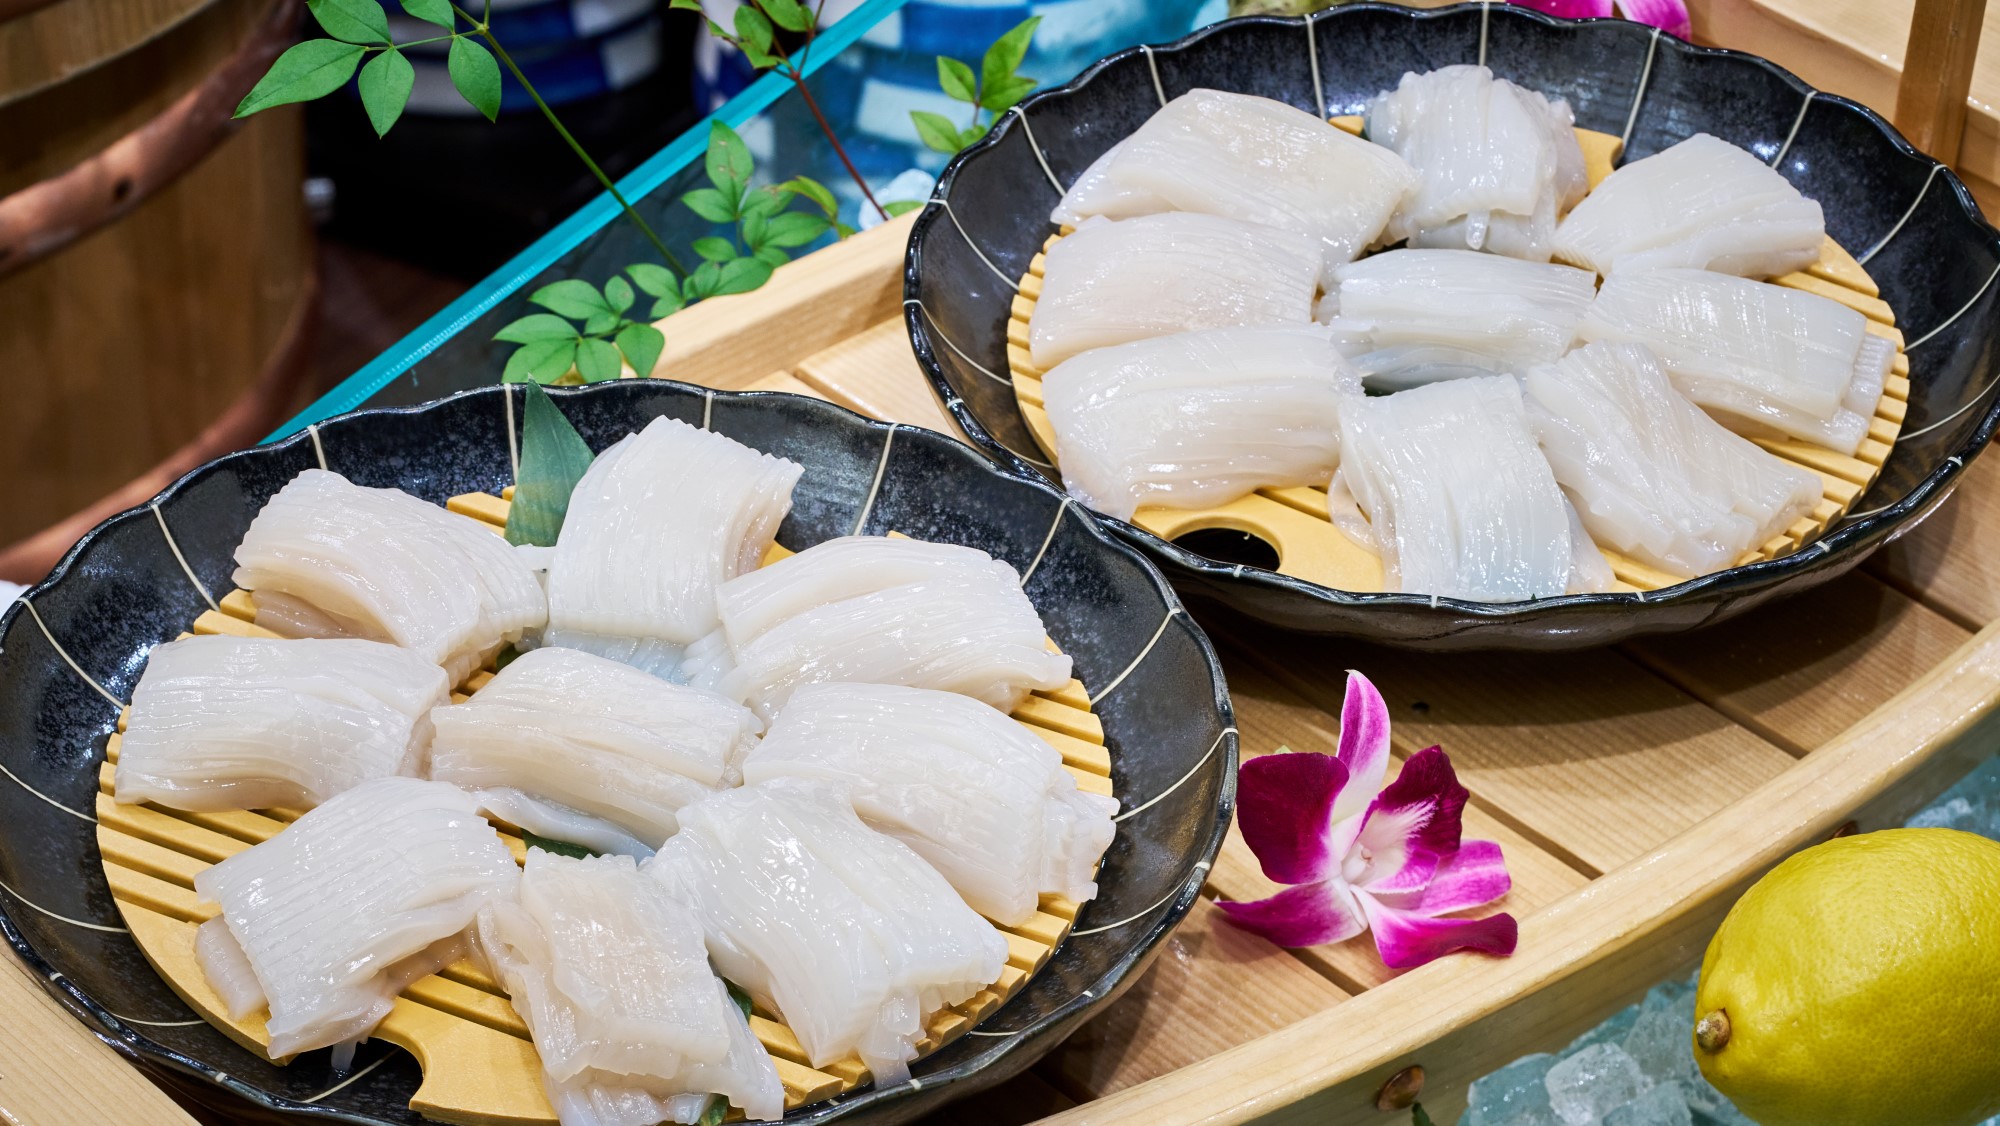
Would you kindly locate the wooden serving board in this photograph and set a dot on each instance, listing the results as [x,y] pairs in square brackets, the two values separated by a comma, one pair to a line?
[479,1065]
[1294,520]
[1634,789]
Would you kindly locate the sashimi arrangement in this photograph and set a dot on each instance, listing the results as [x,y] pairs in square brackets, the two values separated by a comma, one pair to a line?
[1444,348]
[728,830]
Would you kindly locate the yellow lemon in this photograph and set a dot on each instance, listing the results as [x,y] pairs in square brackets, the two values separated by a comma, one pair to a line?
[1858,984]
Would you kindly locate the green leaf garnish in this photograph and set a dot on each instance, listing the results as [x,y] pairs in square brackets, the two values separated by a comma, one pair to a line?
[385,88]
[356,21]
[957,80]
[554,457]
[788,14]
[794,228]
[739,995]
[597,361]
[536,327]
[1004,57]
[570,298]
[715,249]
[642,345]
[902,206]
[1418,1117]
[936,131]
[618,294]
[728,162]
[430,11]
[742,276]
[710,204]
[560,848]
[475,74]
[312,69]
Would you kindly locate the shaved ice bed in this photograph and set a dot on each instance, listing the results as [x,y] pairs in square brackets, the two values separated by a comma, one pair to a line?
[1637,1068]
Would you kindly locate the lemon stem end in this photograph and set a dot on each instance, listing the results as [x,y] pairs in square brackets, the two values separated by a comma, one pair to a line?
[1711,1032]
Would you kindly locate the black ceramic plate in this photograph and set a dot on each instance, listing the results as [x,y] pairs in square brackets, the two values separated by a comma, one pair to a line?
[1908,219]
[75,645]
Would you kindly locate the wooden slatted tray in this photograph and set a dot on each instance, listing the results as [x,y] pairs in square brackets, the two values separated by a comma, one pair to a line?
[1294,520]
[479,1066]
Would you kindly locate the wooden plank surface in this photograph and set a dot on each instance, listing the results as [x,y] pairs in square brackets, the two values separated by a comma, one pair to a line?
[53,1071]
[1951,562]
[1211,988]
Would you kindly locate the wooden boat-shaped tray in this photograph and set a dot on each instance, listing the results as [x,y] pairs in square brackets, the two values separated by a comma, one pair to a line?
[480,1068]
[1294,521]
[1635,790]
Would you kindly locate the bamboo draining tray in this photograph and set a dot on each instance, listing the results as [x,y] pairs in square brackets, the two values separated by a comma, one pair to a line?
[1294,521]
[1635,789]
[479,1065]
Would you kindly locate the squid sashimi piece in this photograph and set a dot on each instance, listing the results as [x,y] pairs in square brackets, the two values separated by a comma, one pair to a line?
[1428,315]
[1461,501]
[610,975]
[1652,476]
[580,748]
[1766,359]
[846,932]
[1497,164]
[328,558]
[1200,418]
[1703,204]
[879,610]
[1111,283]
[1250,158]
[659,521]
[350,904]
[223,722]
[988,804]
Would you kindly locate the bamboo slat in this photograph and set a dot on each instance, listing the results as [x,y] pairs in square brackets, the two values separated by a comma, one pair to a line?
[479,1065]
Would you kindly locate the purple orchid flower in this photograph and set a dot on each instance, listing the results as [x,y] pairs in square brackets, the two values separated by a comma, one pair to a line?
[1364,856]
[1670,16]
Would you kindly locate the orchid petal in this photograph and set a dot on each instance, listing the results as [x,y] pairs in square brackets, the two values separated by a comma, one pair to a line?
[1414,824]
[1405,940]
[1284,802]
[1364,745]
[1670,16]
[1306,915]
[1474,876]
[1569,9]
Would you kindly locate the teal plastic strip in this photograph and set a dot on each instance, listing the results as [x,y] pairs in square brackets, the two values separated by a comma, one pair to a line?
[566,236]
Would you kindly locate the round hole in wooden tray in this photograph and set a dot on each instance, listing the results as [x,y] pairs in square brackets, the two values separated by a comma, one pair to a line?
[1294,521]
[478,1062]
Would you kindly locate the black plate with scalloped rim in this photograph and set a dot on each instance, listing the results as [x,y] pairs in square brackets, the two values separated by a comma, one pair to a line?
[75,645]
[1906,217]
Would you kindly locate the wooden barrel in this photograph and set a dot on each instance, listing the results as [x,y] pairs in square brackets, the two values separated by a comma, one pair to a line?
[156,262]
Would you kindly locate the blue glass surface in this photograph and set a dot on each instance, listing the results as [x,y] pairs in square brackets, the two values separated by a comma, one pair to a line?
[867,71]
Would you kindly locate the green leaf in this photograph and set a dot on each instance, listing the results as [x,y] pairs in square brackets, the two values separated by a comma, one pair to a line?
[754,228]
[666,306]
[717,30]
[536,327]
[761,60]
[754,29]
[817,192]
[312,69]
[715,249]
[765,202]
[571,298]
[618,293]
[541,361]
[1001,96]
[655,281]
[936,131]
[533,840]
[1004,57]
[703,282]
[971,136]
[714,1111]
[385,88]
[743,275]
[788,14]
[430,11]
[1418,1117]
[729,163]
[901,206]
[686,5]
[476,75]
[795,228]
[710,204]
[843,230]
[642,345]
[739,995]
[601,323]
[597,361]
[507,655]
[553,459]
[357,21]
[773,255]
[957,80]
